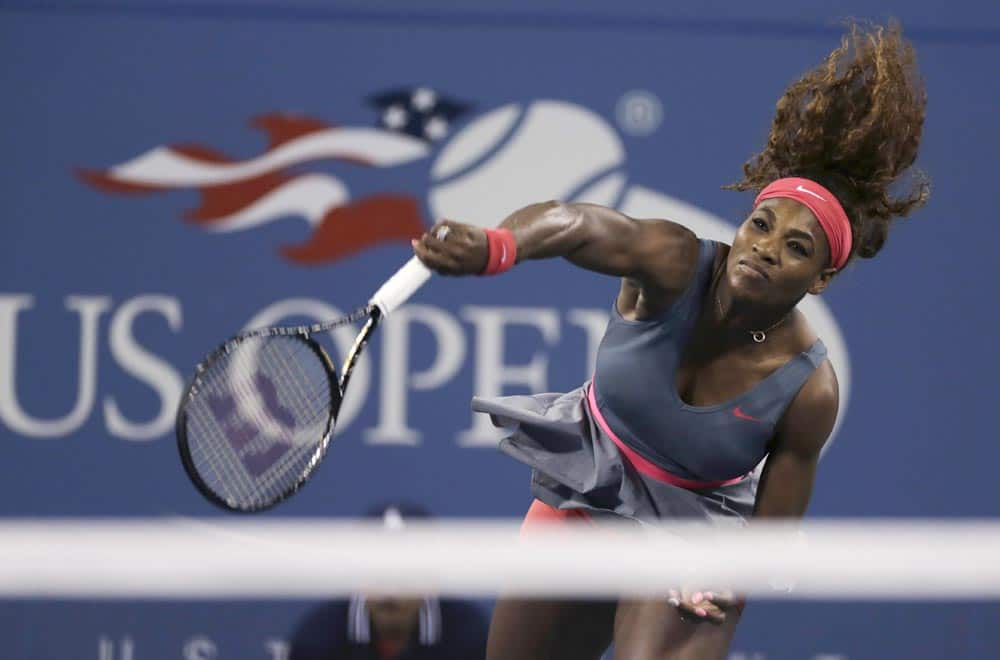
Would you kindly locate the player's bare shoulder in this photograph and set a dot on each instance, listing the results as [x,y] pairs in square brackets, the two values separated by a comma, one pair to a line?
[667,255]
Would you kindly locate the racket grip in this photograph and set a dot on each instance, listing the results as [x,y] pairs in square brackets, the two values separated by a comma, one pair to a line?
[398,289]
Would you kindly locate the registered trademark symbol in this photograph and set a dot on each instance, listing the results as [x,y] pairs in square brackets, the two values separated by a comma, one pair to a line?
[639,112]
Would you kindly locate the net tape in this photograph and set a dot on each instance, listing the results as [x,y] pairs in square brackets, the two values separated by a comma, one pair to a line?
[294,558]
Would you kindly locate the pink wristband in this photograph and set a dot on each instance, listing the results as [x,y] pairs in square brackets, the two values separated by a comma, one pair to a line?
[502,251]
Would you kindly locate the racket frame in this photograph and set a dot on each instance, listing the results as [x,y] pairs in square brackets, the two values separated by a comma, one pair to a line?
[393,293]
[337,388]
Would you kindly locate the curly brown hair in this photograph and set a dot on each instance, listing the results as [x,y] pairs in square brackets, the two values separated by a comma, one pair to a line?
[853,124]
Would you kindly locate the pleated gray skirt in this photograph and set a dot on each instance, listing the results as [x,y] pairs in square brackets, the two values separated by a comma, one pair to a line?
[575,465]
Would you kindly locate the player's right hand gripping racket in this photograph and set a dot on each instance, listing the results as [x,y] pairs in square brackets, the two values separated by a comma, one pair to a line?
[260,410]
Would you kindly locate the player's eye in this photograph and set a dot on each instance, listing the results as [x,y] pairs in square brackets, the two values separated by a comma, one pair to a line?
[798,249]
[760,224]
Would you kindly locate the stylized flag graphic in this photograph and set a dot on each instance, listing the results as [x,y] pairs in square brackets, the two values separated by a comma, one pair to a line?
[238,195]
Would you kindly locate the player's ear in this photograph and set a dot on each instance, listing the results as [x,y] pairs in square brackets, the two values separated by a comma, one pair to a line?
[822,281]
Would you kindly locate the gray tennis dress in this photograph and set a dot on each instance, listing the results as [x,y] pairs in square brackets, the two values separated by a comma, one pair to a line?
[625,444]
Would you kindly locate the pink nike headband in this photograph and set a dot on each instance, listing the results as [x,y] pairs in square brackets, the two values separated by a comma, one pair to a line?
[824,206]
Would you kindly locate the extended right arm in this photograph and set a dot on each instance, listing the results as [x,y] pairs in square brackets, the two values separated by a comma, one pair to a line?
[658,255]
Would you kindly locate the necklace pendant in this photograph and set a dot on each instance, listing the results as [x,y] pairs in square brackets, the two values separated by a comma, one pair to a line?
[759,336]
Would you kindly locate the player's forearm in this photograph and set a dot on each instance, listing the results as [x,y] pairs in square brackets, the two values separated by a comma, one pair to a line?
[591,236]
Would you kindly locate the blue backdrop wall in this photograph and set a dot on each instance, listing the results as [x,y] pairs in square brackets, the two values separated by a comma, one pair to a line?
[178,171]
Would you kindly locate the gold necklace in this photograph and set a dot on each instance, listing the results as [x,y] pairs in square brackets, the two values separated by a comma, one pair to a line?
[758,335]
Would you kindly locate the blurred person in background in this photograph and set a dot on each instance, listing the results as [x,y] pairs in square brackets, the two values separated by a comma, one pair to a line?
[381,627]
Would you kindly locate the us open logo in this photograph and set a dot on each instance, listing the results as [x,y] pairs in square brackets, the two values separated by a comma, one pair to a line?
[463,165]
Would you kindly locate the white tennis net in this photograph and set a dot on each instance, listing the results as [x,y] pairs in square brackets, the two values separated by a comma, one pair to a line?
[290,558]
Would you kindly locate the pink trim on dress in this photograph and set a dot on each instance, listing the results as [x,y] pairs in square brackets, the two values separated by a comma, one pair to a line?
[642,464]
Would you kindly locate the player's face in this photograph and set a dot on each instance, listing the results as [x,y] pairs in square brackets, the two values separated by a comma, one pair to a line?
[779,254]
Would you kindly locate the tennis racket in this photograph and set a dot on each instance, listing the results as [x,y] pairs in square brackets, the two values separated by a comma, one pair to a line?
[259,412]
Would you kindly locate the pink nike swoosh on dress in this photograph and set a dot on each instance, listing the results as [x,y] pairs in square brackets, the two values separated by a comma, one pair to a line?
[738,412]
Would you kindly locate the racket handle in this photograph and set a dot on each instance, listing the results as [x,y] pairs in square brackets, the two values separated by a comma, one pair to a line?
[398,289]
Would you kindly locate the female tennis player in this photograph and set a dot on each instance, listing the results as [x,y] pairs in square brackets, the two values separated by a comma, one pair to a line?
[706,366]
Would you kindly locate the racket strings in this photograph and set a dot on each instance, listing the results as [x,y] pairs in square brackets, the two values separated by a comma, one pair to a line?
[258,419]
[214,450]
[313,409]
[253,485]
[210,455]
[315,401]
[310,409]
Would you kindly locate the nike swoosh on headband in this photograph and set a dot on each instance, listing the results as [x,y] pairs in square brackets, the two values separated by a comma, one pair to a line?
[809,192]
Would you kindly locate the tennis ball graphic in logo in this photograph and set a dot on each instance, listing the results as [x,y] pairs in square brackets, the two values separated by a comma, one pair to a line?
[516,155]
